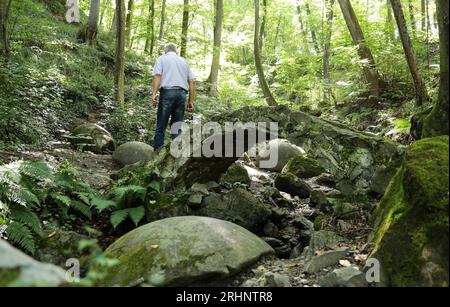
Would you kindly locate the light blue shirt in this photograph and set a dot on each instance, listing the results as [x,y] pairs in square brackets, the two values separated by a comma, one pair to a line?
[174,71]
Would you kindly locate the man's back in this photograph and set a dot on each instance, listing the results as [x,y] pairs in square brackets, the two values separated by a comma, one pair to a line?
[174,71]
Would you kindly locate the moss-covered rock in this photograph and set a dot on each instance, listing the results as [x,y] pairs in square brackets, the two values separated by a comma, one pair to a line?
[411,235]
[181,251]
[236,173]
[133,152]
[293,185]
[283,150]
[20,270]
[303,167]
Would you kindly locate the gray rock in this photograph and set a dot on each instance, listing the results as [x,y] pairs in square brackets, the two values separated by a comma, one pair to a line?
[272,241]
[285,150]
[268,279]
[236,173]
[327,180]
[293,185]
[238,206]
[182,250]
[344,277]
[303,167]
[319,199]
[20,270]
[200,188]
[102,139]
[303,223]
[324,260]
[296,251]
[133,152]
[270,229]
[195,200]
[322,239]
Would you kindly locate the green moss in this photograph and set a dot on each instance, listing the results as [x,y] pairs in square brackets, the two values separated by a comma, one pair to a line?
[7,276]
[411,222]
[236,173]
[303,167]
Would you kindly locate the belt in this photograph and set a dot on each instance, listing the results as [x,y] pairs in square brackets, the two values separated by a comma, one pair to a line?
[173,88]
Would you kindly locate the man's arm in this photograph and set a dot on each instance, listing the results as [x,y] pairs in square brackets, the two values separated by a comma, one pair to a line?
[191,95]
[155,89]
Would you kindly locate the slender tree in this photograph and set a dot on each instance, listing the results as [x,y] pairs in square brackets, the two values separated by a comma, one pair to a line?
[105,8]
[113,28]
[120,52]
[215,66]
[412,18]
[423,12]
[5,9]
[421,92]
[437,122]
[369,68]
[302,27]
[129,22]
[313,31]
[184,28]
[326,49]
[262,33]
[390,20]
[161,27]
[92,26]
[150,40]
[258,63]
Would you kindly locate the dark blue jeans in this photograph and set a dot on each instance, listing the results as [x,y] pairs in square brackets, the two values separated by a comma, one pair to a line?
[171,105]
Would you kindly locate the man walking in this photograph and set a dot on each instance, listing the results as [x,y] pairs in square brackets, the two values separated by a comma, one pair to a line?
[173,78]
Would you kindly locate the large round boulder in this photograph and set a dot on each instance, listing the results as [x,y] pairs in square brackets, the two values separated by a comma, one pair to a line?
[182,250]
[133,152]
[102,140]
[411,228]
[20,270]
[285,151]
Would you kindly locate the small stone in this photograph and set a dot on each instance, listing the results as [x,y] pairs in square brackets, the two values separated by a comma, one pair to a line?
[303,223]
[200,188]
[293,185]
[344,277]
[319,199]
[270,229]
[327,259]
[195,200]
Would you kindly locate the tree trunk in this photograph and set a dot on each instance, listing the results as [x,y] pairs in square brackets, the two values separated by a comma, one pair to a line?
[437,122]
[421,93]
[5,9]
[113,28]
[259,69]
[92,27]
[150,40]
[423,12]
[326,49]
[262,33]
[129,22]
[390,21]
[161,27]
[370,72]
[215,67]
[313,32]
[412,17]
[106,6]
[120,52]
[184,30]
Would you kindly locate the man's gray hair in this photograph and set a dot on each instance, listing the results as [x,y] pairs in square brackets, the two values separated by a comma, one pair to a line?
[171,48]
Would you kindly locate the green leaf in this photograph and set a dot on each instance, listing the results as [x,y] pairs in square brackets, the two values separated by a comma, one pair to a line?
[61,199]
[136,214]
[84,197]
[102,204]
[155,185]
[21,235]
[117,217]
[84,209]
[26,217]
[121,192]
[84,243]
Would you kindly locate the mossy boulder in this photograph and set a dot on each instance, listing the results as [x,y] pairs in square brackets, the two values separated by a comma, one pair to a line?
[303,167]
[236,173]
[411,225]
[20,270]
[182,251]
[293,185]
[133,152]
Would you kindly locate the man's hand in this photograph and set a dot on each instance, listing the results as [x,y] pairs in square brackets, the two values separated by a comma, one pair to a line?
[190,107]
[155,100]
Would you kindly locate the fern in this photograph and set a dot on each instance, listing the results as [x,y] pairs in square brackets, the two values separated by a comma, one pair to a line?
[83,208]
[102,204]
[134,191]
[117,217]
[27,217]
[136,214]
[21,235]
